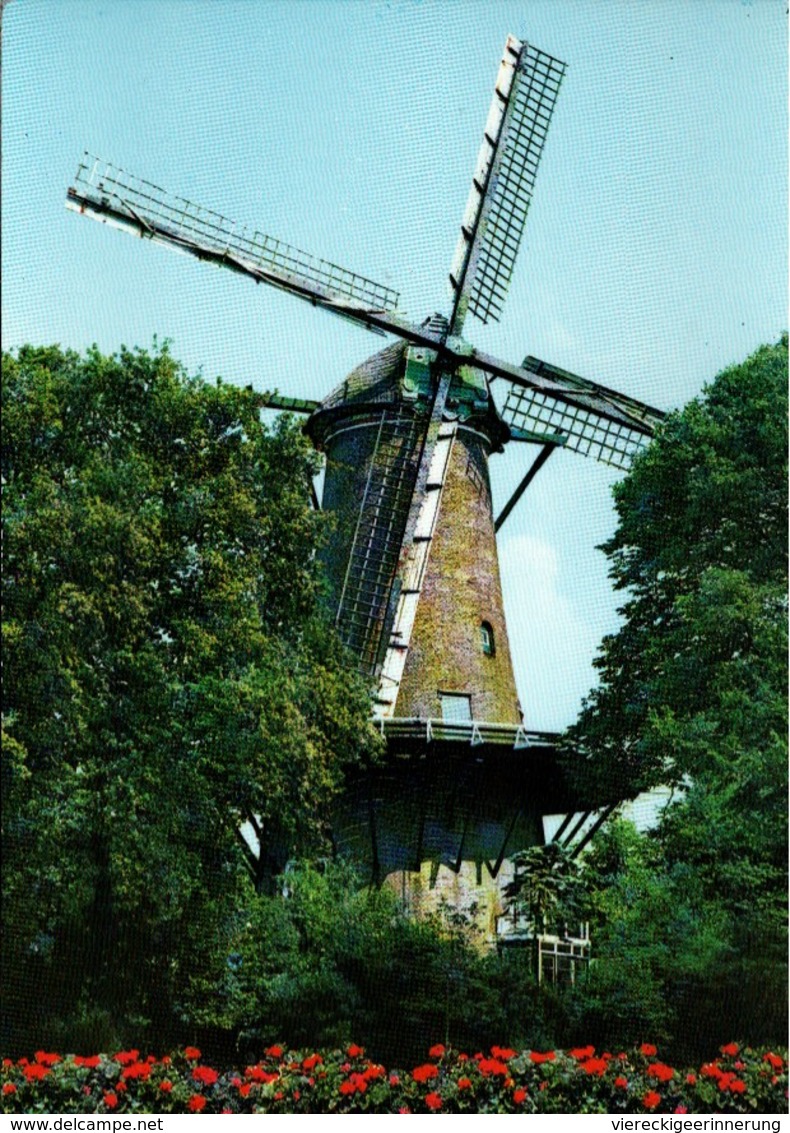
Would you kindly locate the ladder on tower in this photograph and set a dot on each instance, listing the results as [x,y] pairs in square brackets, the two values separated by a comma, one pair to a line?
[439,446]
[376,545]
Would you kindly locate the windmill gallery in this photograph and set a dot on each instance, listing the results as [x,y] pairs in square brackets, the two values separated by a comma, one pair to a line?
[412,563]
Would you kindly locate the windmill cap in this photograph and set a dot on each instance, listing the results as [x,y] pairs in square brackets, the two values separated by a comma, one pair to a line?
[382,381]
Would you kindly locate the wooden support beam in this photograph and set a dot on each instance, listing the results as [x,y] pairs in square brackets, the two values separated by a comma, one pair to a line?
[596,826]
[535,467]
[575,828]
[562,827]
[501,855]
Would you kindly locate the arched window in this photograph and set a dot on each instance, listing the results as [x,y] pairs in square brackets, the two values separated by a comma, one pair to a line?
[487,638]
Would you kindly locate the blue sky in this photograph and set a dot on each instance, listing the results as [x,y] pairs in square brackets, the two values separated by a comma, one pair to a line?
[655,251]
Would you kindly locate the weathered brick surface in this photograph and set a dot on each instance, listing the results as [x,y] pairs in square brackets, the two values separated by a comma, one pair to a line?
[472,892]
[461,590]
[462,586]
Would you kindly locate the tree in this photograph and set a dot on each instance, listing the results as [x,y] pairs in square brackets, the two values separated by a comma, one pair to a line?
[693,692]
[168,674]
[696,673]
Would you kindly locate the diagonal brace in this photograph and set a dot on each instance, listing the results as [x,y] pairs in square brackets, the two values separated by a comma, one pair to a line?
[536,466]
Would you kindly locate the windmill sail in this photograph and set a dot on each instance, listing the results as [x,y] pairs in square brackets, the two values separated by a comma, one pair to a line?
[526,90]
[115,197]
[591,419]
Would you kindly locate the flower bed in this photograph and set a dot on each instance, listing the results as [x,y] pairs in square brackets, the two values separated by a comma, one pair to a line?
[740,1080]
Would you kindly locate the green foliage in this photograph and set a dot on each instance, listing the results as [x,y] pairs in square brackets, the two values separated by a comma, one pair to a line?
[547,887]
[167,675]
[696,675]
[329,959]
[691,926]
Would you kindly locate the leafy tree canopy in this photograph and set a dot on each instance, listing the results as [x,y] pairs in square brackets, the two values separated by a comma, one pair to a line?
[693,693]
[167,670]
[694,681]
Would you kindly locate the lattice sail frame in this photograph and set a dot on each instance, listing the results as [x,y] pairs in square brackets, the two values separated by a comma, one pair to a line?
[537,85]
[128,201]
[584,430]
[526,90]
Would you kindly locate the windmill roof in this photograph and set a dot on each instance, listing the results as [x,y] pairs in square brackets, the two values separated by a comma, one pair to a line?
[378,381]
[375,380]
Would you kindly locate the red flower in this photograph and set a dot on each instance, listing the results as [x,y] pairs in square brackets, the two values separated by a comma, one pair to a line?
[312,1061]
[425,1073]
[404,1109]
[648,1050]
[196,1104]
[35,1072]
[519,1096]
[691,1079]
[621,1083]
[166,1086]
[489,1066]
[736,1086]
[137,1070]
[121,1086]
[580,1053]
[373,1072]
[244,1091]
[503,1052]
[110,1100]
[436,1051]
[9,1088]
[682,1109]
[661,1072]
[464,1083]
[355,1051]
[394,1080]
[89,1063]
[190,1052]
[258,1074]
[274,1052]
[8,1062]
[730,1049]
[594,1066]
[433,1101]
[348,1087]
[710,1070]
[45,1059]
[651,1099]
[537,1057]
[773,1060]
[205,1075]
[125,1057]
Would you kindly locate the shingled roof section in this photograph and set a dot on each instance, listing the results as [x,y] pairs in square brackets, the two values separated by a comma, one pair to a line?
[376,380]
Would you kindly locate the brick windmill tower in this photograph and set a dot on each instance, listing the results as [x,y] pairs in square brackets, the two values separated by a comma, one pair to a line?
[412,564]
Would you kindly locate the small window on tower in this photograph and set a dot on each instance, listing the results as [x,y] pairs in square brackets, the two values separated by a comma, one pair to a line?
[456,707]
[487,638]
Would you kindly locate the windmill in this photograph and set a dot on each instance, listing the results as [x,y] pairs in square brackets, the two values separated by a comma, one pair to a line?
[412,564]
